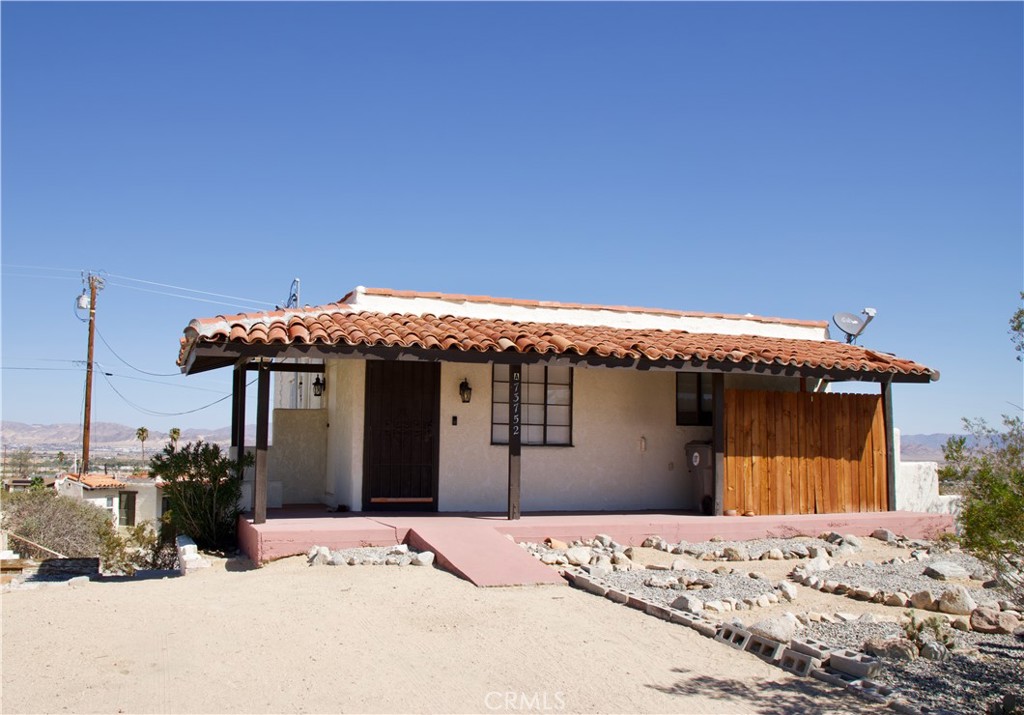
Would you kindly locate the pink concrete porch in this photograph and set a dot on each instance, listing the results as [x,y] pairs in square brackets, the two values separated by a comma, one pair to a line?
[474,546]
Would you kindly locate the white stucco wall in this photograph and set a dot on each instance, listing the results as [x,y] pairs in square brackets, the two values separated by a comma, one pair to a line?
[917,486]
[299,455]
[343,476]
[627,451]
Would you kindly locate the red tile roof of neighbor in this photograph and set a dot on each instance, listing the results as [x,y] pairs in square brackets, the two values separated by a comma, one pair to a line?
[97,481]
[341,324]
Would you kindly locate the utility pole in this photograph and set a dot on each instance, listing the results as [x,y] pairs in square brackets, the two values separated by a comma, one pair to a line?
[95,285]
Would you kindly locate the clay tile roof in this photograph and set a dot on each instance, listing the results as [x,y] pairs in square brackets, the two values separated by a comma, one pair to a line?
[339,324]
[97,481]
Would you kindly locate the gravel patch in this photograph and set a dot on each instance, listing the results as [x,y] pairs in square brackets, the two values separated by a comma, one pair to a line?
[737,585]
[757,547]
[907,577]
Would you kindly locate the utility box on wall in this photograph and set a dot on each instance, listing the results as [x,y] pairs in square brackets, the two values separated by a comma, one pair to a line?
[701,468]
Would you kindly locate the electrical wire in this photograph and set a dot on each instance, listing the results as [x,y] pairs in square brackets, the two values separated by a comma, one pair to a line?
[184,297]
[156,413]
[165,384]
[190,290]
[136,369]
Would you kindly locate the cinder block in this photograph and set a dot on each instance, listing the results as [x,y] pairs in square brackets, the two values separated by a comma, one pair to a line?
[832,677]
[765,648]
[798,663]
[870,690]
[637,603]
[855,663]
[706,628]
[733,636]
[596,588]
[616,595]
[575,579]
[662,612]
[813,648]
[680,617]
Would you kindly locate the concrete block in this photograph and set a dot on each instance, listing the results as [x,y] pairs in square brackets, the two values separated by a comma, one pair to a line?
[798,663]
[854,663]
[614,594]
[870,690]
[575,579]
[708,629]
[662,612]
[681,617]
[733,636]
[596,588]
[637,603]
[811,647]
[765,648]
[832,677]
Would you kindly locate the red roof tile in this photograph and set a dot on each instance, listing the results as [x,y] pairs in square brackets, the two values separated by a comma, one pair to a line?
[332,325]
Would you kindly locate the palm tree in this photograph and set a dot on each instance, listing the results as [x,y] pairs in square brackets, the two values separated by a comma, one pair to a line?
[175,435]
[142,434]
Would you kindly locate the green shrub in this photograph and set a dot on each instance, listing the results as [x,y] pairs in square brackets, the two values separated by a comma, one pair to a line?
[203,486]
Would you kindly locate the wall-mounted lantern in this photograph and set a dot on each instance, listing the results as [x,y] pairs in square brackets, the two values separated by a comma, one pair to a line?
[465,391]
[319,385]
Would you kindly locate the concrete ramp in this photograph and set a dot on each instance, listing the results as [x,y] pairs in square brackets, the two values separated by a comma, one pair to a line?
[478,553]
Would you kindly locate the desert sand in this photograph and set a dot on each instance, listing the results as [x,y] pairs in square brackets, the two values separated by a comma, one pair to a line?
[288,638]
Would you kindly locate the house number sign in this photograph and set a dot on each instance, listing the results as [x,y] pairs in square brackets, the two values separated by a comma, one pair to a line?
[515,409]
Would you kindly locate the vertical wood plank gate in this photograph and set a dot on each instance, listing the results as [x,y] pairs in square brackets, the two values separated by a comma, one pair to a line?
[804,453]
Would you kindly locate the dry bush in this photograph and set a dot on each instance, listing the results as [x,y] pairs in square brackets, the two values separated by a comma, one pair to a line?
[71,527]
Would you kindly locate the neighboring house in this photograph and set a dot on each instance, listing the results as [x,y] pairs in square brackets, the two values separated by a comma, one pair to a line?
[130,500]
[20,484]
[405,400]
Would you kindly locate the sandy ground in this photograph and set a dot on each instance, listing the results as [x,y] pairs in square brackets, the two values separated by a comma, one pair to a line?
[289,638]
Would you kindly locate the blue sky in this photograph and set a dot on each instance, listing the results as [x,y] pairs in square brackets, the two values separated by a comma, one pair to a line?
[791,159]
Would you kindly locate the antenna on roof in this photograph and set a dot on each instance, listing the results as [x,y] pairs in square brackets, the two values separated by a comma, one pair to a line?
[293,295]
[853,325]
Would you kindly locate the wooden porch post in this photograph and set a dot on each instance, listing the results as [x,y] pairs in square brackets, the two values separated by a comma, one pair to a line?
[238,414]
[259,498]
[890,442]
[718,439]
[515,436]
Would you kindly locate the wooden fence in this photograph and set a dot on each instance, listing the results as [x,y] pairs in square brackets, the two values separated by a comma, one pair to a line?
[804,453]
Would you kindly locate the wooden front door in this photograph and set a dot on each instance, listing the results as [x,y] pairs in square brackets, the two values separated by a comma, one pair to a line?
[401,442]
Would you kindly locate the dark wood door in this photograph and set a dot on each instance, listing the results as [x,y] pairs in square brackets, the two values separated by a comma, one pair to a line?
[401,442]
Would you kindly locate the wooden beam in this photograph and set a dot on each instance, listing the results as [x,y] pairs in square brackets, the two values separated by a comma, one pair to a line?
[515,437]
[259,491]
[238,415]
[890,442]
[718,439]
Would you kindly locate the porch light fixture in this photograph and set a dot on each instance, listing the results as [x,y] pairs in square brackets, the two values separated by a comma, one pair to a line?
[465,391]
[318,386]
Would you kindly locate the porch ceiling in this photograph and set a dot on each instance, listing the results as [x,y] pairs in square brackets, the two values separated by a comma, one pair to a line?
[335,331]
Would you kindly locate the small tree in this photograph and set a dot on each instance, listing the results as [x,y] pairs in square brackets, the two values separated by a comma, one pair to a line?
[62,459]
[21,463]
[204,487]
[175,435]
[142,434]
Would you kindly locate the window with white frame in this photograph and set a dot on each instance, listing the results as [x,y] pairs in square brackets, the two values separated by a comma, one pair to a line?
[547,405]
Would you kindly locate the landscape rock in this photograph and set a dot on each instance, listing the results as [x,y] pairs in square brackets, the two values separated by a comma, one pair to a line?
[690,604]
[945,570]
[338,558]
[884,535]
[933,650]
[957,601]
[736,553]
[423,558]
[924,600]
[778,628]
[988,620]
[604,540]
[788,591]
[853,541]
[579,555]
[817,564]
[898,599]
[893,648]
[774,554]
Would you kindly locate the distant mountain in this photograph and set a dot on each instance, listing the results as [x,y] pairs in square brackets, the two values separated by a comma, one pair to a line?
[923,447]
[103,435]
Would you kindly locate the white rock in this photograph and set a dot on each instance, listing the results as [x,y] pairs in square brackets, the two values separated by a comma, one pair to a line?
[579,555]
[779,628]
[688,603]
[788,590]
[603,539]
[957,601]
[423,558]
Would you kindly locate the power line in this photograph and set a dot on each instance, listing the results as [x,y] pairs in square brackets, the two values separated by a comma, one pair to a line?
[165,384]
[136,369]
[190,290]
[155,413]
[185,297]
[43,268]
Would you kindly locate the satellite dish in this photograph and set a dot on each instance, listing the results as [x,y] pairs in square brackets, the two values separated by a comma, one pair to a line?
[853,325]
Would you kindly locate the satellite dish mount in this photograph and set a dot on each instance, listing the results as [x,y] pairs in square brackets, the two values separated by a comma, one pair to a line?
[853,325]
